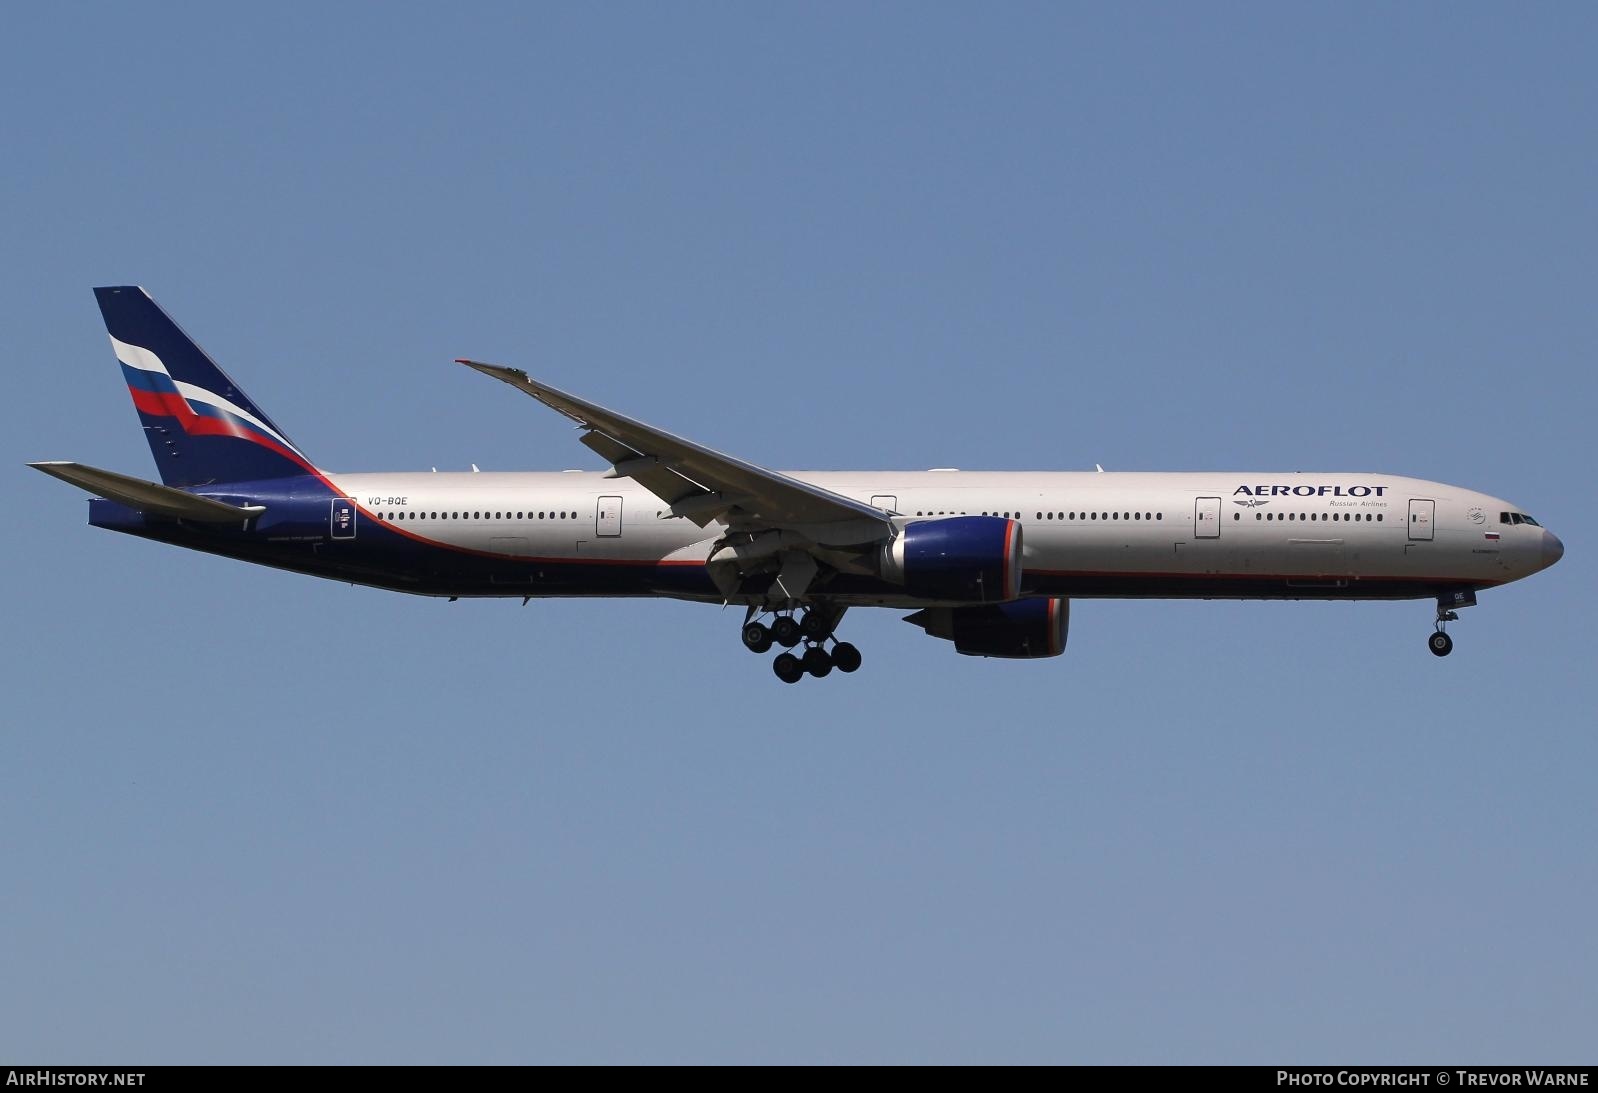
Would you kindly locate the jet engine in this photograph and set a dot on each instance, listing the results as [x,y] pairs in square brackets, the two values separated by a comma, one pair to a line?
[970,559]
[1021,630]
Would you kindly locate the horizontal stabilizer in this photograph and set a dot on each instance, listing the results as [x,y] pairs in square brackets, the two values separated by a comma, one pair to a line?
[149,497]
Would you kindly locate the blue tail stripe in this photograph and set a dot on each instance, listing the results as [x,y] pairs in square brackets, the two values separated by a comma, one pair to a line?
[141,380]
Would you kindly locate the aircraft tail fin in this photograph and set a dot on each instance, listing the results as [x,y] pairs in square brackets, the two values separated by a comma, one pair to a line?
[201,426]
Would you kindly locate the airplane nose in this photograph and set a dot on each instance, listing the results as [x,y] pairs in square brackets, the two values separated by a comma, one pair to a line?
[1553,549]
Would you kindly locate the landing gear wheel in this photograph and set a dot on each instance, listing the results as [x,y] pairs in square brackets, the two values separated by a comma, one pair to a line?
[1440,644]
[845,657]
[817,662]
[757,637]
[816,625]
[786,631]
[788,668]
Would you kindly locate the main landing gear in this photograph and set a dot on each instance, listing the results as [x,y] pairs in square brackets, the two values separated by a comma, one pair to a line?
[1439,642]
[813,629]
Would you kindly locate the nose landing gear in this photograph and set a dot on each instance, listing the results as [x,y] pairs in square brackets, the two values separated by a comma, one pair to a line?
[1439,642]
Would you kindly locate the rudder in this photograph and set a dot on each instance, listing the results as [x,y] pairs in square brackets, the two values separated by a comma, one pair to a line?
[201,426]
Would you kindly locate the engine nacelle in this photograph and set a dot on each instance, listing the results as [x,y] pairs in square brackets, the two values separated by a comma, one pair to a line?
[970,559]
[1023,630]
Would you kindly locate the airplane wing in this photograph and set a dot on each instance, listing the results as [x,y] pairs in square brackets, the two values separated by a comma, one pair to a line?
[692,480]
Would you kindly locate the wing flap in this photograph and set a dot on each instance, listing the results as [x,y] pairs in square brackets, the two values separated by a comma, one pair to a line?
[655,476]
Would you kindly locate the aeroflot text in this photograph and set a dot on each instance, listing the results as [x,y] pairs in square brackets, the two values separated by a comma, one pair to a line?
[1310,491]
[1426,1078]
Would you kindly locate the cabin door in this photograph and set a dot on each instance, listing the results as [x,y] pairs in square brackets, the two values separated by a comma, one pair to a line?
[1207,518]
[341,519]
[608,518]
[1421,514]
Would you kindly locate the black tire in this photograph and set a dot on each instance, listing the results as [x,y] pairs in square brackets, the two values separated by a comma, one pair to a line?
[817,662]
[757,637]
[1440,644]
[786,631]
[788,668]
[845,657]
[816,625]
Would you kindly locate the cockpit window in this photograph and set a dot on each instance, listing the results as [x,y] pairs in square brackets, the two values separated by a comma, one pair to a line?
[1529,520]
[1517,518]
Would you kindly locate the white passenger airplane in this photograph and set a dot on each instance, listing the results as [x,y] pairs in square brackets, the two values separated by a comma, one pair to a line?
[989,561]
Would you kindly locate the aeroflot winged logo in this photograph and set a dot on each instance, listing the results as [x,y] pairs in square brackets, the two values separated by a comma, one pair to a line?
[1249,502]
[198,411]
[1307,491]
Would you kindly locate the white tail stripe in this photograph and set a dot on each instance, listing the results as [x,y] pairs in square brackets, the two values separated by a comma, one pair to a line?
[136,356]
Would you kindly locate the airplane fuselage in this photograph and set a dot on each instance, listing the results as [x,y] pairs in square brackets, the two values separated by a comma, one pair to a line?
[1248,535]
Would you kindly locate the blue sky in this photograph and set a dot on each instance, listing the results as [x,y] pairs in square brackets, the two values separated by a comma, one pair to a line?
[250,816]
